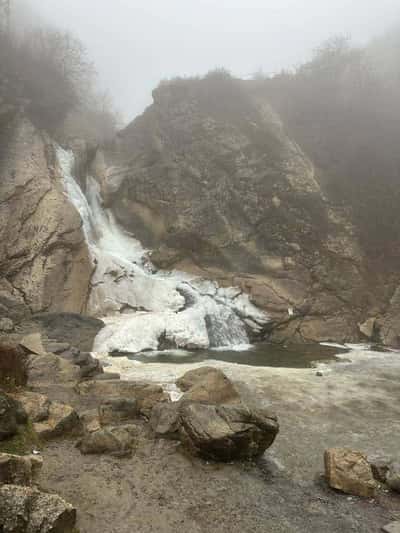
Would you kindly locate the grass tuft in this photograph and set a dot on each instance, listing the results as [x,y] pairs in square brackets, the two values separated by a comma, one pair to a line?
[23,442]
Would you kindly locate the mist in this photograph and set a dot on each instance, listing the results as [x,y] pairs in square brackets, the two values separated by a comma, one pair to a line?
[136,44]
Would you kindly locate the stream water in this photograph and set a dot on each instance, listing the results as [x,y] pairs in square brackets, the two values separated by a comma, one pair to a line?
[261,355]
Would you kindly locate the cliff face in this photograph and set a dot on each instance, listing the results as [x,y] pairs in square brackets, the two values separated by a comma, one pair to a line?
[209,180]
[44,263]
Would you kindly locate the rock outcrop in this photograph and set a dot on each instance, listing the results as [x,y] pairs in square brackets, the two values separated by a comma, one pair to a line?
[44,262]
[227,432]
[208,178]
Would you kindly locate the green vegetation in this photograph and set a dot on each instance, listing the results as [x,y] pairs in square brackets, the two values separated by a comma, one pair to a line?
[23,442]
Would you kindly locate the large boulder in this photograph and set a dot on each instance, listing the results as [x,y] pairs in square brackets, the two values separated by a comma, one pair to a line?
[118,441]
[27,510]
[11,414]
[349,471]
[208,385]
[226,432]
[19,470]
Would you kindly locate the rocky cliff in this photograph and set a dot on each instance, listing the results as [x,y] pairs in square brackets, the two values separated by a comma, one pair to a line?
[44,263]
[208,178]
[210,181]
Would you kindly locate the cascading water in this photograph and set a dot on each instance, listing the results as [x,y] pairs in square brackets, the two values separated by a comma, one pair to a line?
[146,309]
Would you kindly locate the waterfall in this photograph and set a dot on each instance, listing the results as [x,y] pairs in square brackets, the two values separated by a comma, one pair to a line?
[145,309]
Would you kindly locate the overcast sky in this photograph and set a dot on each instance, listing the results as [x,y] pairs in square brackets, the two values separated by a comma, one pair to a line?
[136,43]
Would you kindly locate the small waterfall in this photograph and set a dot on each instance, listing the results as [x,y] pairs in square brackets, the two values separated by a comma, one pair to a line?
[146,309]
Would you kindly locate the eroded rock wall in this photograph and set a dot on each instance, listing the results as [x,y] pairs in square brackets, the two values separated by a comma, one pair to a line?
[215,186]
[44,261]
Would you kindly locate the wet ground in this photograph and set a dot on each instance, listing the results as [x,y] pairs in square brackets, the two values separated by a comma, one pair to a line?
[352,403]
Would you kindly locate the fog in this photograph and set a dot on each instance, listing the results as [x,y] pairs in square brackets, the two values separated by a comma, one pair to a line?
[134,44]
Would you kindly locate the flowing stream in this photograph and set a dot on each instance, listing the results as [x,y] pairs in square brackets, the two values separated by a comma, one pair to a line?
[145,309]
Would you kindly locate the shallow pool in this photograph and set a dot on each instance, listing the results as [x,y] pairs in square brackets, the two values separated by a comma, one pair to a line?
[269,355]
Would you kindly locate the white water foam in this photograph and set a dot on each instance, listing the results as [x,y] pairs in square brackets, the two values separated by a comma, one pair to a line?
[148,310]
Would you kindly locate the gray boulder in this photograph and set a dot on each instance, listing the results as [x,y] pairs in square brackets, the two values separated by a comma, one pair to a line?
[218,432]
[27,510]
[226,432]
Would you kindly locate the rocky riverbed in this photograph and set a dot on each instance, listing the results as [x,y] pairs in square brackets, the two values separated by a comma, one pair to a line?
[352,403]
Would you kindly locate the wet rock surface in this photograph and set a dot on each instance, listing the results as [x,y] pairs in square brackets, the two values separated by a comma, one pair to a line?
[225,432]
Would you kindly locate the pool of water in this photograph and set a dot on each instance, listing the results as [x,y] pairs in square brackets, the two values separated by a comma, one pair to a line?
[270,355]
